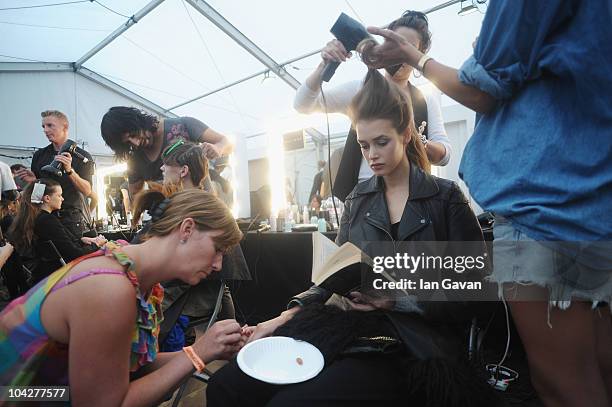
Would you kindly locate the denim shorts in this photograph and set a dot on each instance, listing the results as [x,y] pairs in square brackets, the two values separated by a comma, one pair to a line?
[519,261]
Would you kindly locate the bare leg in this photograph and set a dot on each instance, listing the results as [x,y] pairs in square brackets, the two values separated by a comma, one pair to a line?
[563,360]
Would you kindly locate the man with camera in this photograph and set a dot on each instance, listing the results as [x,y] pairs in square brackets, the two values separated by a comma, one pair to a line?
[76,178]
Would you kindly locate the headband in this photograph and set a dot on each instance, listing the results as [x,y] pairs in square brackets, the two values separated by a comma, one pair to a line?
[177,143]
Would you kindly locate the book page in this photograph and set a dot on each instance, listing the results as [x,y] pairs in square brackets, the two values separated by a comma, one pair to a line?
[322,249]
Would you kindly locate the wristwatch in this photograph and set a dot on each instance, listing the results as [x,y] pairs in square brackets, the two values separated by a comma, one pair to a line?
[421,64]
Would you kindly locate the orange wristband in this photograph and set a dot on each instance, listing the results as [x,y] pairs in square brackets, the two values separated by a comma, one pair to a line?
[195,359]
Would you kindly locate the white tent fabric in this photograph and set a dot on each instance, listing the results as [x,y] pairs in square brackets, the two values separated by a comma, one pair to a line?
[24,95]
[175,54]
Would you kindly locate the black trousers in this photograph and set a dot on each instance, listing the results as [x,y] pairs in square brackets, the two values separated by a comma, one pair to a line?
[365,380]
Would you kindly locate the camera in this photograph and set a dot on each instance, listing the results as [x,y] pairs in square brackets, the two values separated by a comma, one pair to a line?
[57,168]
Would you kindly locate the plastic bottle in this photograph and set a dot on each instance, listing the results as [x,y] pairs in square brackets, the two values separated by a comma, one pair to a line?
[273,223]
[305,217]
[322,225]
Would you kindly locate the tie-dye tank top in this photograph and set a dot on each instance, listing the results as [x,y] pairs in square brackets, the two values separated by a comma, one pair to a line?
[29,357]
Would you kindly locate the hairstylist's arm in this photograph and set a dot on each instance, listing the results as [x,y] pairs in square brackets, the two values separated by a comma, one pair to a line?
[396,49]
[308,97]
[135,187]
[333,51]
[215,144]
[5,253]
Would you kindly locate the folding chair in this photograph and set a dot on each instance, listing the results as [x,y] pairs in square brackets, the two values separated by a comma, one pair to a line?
[172,314]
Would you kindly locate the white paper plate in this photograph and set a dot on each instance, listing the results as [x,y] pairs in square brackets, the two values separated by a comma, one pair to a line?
[280,360]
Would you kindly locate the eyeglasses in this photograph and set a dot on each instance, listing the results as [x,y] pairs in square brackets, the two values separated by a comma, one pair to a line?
[173,147]
[415,14]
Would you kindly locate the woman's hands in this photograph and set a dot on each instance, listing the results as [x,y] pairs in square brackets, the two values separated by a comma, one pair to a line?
[98,240]
[266,328]
[334,51]
[394,50]
[210,151]
[221,341]
[363,302]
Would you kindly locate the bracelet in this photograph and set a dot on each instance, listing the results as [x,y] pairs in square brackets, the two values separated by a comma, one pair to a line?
[195,359]
[69,172]
[421,64]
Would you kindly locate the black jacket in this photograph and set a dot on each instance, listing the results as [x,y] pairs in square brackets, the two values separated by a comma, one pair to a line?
[47,227]
[436,210]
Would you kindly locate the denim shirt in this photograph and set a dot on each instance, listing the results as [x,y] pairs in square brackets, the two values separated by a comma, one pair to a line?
[543,157]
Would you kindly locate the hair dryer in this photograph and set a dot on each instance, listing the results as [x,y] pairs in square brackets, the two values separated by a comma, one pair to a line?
[350,33]
[57,168]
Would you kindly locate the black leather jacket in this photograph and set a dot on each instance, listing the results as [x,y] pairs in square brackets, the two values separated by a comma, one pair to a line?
[436,210]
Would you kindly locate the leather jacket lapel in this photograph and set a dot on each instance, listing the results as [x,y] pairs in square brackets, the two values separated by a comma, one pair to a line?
[412,220]
[377,214]
[415,216]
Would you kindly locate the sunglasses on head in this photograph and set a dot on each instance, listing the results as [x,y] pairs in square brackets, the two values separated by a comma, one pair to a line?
[415,14]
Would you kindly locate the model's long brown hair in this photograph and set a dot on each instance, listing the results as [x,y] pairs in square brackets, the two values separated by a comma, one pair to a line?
[207,211]
[21,232]
[381,99]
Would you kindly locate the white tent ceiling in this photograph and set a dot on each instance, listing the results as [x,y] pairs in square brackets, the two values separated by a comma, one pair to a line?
[175,53]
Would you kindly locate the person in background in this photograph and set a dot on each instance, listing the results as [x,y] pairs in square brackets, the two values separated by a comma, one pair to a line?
[317,181]
[36,224]
[76,180]
[540,160]
[21,184]
[184,168]
[414,28]
[315,205]
[8,186]
[125,198]
[12,267]
[96,320]
[140,138]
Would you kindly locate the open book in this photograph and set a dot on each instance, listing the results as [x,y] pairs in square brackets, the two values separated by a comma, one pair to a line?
[343,269]
[337,269]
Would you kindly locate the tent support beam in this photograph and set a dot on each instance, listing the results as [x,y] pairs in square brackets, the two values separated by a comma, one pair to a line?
[299,58]
[101,80]
[239,81]
[35,67]
[123,28]
[217,19]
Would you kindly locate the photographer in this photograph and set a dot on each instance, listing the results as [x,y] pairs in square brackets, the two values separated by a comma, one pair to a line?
[77,178]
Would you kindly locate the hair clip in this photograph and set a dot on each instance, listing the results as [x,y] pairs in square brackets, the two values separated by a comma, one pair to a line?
[38,192]
[420,131]
[168,150]
[159,210]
